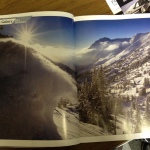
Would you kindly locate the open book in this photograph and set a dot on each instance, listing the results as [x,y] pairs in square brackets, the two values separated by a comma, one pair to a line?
[66,80]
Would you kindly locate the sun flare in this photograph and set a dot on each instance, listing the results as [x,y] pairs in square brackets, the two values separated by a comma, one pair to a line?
[26,34]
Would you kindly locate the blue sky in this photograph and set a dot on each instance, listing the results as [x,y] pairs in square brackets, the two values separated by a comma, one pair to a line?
[58,31]
[87,32]
[51,30]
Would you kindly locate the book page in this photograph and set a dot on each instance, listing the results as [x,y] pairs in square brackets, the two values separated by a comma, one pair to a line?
[113,73]
[38,94]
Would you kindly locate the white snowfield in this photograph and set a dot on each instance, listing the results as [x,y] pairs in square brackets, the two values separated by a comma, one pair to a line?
[135,59]
[37,85]
[135,43]
[69,127]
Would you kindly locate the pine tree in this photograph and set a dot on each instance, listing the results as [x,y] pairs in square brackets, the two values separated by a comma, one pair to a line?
[1,27]
[146,82]
[127,98]
[138,118]
[142,92]
[131,115]
[94,100]
[138,121]
[115,112]
[133,102]
[84,105]
[103,94]
[147,109]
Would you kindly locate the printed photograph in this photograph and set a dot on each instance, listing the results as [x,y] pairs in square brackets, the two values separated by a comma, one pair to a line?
[113,76]
[38,93]
[123,2]
[136,6]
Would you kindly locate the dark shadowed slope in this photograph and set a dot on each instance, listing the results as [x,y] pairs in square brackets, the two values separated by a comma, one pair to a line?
[30,88]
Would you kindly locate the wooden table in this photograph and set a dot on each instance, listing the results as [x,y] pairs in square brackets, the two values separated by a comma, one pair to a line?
[76,7]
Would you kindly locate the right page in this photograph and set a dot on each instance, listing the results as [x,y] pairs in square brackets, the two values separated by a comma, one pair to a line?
[113,75]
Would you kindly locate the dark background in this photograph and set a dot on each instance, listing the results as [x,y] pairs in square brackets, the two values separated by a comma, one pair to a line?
[123,2]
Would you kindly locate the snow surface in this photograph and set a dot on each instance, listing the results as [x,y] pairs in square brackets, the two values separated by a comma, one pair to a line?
[129,49]
[35,87]
[69,127]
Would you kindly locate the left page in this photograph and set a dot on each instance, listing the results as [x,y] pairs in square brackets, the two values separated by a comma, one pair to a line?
[38,96]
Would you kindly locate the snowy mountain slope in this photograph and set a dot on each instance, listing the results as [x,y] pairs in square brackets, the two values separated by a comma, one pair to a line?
[30,88]
[100,49]
[106,48]
[137,52]
[107,51]
[103,41]
[135,42]
[71,128]
[129,78]
[131,73]
[67,123]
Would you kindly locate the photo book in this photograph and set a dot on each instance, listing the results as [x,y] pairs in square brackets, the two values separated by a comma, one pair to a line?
[66,80]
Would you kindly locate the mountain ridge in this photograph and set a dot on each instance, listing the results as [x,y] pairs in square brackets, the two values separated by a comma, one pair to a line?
[106,39]
[105,51]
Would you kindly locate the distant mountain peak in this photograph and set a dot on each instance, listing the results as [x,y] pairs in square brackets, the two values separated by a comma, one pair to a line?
[137,36]
[108,51]
[106,39]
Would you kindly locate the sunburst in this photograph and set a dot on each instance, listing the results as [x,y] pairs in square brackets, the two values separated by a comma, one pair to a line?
[26,34]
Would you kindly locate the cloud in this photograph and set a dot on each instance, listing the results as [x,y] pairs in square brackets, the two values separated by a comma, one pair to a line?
[56,54]
[86,56]
[112,47]
[125,43]
[83,51]
[104,43]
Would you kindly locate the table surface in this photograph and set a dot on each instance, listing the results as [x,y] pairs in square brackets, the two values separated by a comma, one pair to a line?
[77,8]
